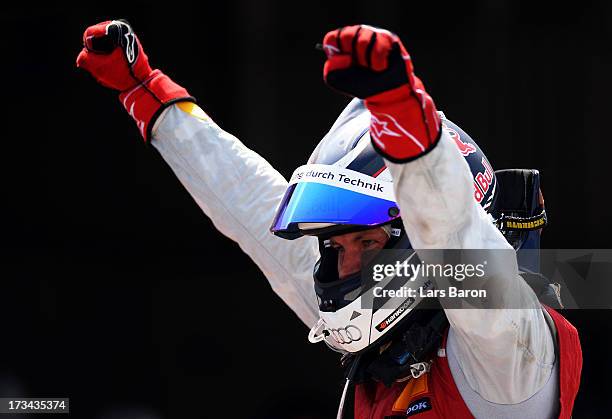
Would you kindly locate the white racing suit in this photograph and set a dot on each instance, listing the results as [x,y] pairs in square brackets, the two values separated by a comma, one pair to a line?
[503,360]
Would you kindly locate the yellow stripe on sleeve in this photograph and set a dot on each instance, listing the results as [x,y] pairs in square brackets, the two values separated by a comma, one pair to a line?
[193,110]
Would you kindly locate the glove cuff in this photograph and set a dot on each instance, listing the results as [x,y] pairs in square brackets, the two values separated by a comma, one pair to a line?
[146,101]
[405,124]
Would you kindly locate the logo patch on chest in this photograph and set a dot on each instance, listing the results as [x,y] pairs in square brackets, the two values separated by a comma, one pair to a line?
[415,388]
[418,406]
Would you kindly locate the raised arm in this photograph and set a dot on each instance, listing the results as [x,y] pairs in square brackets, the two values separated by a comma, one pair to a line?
[506,355]
[240,191]
[233,185]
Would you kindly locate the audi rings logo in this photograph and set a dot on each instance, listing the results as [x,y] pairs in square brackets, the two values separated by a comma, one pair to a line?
[345,335]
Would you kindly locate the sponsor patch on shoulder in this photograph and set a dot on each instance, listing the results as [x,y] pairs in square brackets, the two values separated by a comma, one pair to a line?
[418,406]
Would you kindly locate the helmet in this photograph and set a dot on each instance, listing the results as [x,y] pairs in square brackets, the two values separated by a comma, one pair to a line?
[345,187]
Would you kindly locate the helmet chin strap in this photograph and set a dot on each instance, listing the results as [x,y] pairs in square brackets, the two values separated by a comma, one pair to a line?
[349,378]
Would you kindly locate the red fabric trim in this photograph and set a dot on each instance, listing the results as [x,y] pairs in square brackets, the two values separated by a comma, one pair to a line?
[375,401]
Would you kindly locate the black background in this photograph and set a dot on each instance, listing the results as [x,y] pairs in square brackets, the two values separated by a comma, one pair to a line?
[120,294]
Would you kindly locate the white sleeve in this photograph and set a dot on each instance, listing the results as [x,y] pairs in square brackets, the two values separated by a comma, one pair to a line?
[240,192]
[507,355]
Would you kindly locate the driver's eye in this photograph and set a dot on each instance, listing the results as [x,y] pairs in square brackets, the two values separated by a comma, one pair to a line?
[368,243]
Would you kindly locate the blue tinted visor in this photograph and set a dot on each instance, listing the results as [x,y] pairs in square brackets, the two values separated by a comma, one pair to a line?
[311,202]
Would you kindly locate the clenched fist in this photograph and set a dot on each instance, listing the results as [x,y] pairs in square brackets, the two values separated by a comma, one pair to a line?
[372,64]
[113,55]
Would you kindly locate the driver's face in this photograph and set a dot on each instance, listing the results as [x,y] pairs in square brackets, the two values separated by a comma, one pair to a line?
[351,247]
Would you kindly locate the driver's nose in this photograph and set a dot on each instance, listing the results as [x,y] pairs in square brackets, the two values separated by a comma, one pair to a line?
[349,262]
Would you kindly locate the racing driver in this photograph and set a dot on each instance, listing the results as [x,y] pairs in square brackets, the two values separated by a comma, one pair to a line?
[392,173]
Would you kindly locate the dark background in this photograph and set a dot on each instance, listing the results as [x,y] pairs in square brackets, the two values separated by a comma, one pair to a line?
[118,292]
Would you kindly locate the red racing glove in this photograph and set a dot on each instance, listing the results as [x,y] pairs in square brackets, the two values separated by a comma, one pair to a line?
[113,55]
[372,64]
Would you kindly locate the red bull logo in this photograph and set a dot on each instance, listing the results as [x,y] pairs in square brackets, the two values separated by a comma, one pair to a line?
[483,181]
[465,148]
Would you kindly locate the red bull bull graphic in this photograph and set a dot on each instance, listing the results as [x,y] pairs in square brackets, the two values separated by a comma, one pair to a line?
[465,148]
